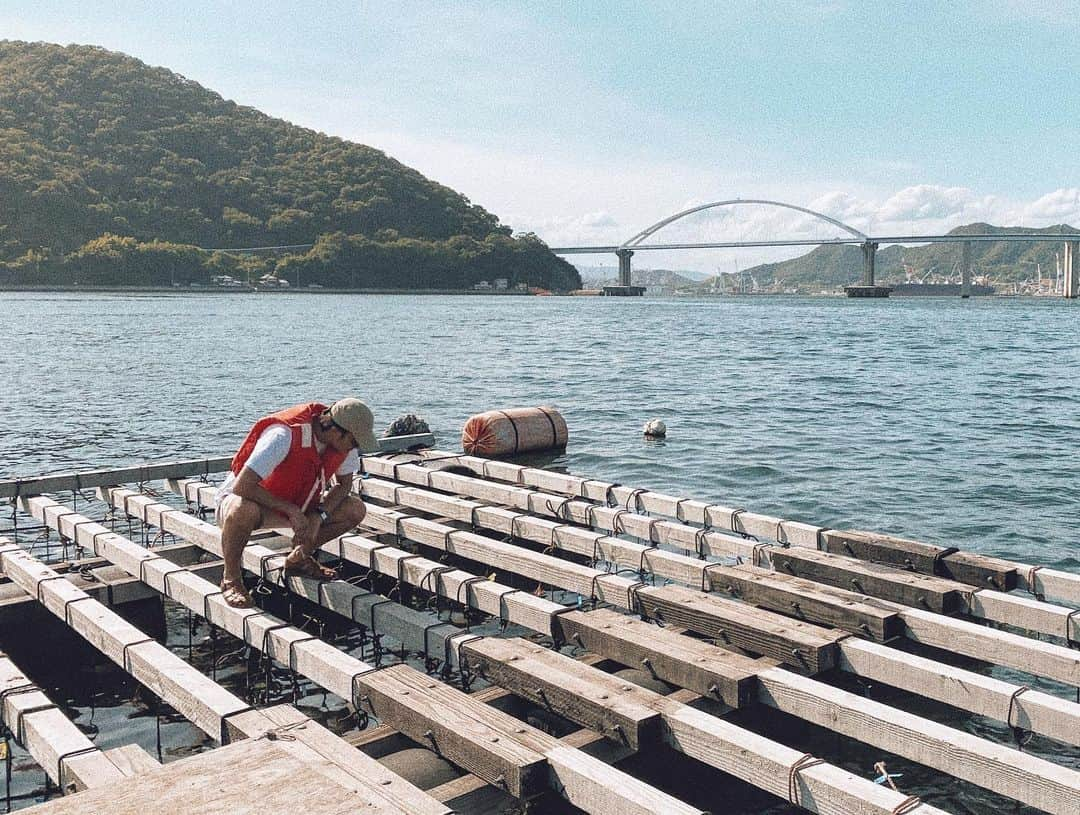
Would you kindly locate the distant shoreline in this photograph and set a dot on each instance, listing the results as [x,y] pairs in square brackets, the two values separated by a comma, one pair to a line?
[220,290]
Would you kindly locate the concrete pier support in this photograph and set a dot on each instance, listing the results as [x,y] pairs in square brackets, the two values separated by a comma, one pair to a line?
[869,250]
[965,269]
[1071,283]
[624,256]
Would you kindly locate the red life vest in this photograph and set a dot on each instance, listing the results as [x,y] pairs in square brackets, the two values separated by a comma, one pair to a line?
[304,473]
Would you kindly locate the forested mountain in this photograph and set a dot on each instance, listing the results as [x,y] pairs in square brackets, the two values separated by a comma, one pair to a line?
[1000,261]
[112,171]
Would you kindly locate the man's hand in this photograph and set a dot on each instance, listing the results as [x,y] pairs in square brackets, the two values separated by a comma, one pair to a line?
[300,523]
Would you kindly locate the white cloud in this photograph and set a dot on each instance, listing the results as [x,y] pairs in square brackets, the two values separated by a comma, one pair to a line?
[1059,206]
[924,202]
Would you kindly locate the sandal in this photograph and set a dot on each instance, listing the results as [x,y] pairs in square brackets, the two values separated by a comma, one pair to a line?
[236,594]
[307,566]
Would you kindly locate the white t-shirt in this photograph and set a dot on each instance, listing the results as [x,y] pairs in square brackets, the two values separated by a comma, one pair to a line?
[272,448]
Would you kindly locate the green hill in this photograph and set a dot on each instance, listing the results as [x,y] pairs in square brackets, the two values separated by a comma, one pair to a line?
[1002,261]
[113,172]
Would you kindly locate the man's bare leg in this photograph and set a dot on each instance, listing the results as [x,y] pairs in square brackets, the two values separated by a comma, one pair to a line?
[242,518]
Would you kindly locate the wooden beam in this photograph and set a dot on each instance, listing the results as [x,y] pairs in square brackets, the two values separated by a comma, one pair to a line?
[582,694]
[990,645]
[475,737]
[840,569]
[1054,584]
[203,702]
[142,473]
[965,567]
[803,646]
[802,598]
[1028,709]
[674,658]
[1005,770]
[314,744]
[67,756]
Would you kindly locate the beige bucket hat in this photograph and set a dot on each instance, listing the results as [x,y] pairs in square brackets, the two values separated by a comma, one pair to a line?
[355,416]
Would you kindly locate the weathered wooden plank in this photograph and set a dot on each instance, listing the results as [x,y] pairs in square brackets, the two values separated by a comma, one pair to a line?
[1005,770]
[201,701]
[876,580]
[582,694]
[965,567]
[1028,709]
[1027,613]
[142,473]
[239,779]
[1053,584]
[999,647]
[451,723]
[320,745]
[806,600]
[1058,586]
[67,756]
[497,739]
[803,646]
[769,765]
[131,759]
[682,661]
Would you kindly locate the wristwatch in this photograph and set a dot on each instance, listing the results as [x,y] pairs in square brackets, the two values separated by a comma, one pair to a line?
[324,516]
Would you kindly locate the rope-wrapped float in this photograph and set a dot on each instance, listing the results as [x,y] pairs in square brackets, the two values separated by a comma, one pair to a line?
[512,431]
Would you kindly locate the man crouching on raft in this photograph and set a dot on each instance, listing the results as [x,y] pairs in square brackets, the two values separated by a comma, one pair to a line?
[295,465]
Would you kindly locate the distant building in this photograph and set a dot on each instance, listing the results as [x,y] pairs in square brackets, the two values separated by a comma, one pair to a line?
[501,284]
[483,285]
[270,281]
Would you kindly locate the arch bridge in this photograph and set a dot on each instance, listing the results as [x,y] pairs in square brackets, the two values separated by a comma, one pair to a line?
[868,243]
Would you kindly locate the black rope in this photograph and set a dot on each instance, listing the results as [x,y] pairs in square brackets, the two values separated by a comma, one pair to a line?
[292,665]
[93,748]
[206,604]
[434,574]
[1068,629]
[513,426]
[641,562]
[125,659]
[401,575]
[224,739]
[940,555]
[633,601]
[504,608]
[20,719]
[38,585]
[1020,735]
[705,575]
[466,585]
[609,494]
[554,430]
[69,603]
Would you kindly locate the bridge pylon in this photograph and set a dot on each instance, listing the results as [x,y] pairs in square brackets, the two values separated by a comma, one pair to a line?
[965,269]
[869,252]
[1071,287]
[624,256]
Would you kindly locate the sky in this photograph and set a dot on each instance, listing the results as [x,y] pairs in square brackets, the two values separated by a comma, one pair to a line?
[586,122]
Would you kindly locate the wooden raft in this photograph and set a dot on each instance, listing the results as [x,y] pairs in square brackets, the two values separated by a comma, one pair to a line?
[545,542]
[899,732]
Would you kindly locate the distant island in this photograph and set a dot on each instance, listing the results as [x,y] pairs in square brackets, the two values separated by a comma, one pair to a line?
[114,173]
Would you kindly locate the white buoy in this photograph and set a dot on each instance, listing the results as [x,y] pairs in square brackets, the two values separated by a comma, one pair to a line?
[655,429]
